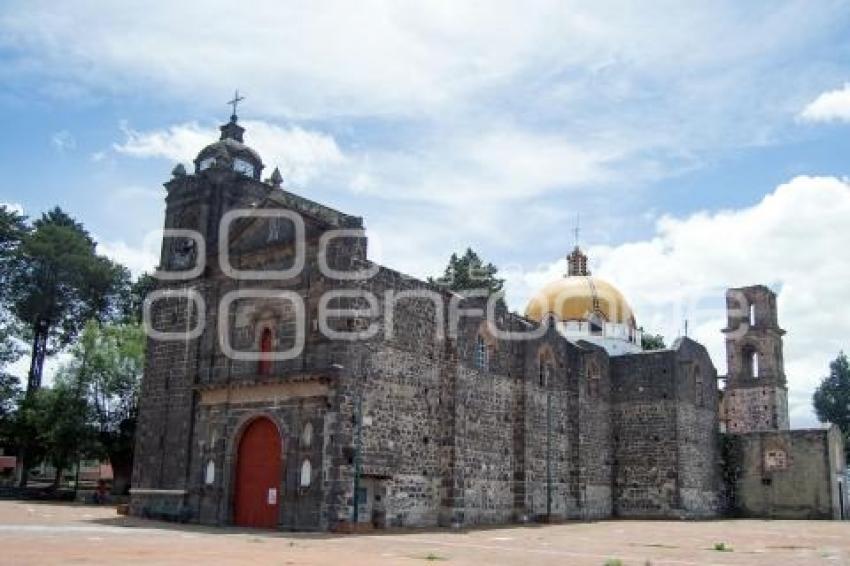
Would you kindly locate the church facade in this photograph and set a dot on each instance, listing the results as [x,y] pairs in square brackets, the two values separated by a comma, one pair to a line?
[292,383]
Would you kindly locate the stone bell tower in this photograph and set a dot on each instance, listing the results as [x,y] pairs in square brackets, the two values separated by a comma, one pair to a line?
[756,394]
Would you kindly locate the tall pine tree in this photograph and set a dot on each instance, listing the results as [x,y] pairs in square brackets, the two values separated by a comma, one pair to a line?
[58,283]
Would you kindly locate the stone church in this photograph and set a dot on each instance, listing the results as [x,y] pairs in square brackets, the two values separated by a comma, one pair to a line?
[292,383]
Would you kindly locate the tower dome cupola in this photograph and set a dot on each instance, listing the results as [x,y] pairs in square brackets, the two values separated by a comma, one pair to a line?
[230,151]
[585,307]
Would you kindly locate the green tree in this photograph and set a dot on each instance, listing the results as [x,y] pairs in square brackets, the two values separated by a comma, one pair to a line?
[10,396]
[652,341]
[468,272]
[831,399]
[58,283]
[13,229]
[67,433]
[106,366]
[134,297]
[10,387]
[53,424]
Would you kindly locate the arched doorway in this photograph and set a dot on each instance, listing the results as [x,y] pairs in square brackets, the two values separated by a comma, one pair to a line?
[258,473]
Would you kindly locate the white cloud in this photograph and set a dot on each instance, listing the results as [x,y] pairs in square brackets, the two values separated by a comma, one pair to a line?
[138,259]
[301,154]
[595,67]
[795,240]
[14,207]
[490,167]
[63,141]
[831,106]
[180,142]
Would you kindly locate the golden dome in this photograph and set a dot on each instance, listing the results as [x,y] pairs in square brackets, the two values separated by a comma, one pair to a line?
[577,297]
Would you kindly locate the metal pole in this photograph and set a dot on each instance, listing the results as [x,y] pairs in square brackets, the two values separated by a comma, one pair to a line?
[358,423]
[548,453]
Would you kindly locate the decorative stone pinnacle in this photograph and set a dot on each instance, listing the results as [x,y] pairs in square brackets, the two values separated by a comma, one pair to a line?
[276,178]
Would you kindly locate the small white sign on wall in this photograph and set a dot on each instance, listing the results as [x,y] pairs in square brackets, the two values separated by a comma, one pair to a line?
[209,475]
[272,498]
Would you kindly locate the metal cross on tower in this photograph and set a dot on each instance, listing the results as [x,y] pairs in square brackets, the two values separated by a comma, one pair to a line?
[236,100]
[577,229]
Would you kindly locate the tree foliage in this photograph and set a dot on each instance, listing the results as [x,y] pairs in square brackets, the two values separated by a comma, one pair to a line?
[10,397]
[652,341]
[134,298]
[831,399]
[106,367]
[58,282]
[13,229]
[54,425]
[467,272]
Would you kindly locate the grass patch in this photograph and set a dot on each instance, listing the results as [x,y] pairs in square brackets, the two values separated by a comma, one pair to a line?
[722,547]
[613,562]
[433,557]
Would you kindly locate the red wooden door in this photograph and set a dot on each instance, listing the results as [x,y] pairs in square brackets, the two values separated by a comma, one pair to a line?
[258,475]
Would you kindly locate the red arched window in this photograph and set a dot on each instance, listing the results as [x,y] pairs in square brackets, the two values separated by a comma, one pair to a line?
[265,367]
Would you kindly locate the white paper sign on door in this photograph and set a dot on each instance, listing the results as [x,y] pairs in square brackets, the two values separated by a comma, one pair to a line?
[272,499]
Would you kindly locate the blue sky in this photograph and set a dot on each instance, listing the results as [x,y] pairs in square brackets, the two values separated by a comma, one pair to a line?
[704,146]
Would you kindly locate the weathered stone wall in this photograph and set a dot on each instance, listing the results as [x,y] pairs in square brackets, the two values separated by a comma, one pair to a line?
[169,450]
[593,478]
[787,474]
[403,412]
[665,439]
[758,332]
[401,435]
[748,409]
[700,486]
[645,435]
[218,430]
[166,407]
[755,397]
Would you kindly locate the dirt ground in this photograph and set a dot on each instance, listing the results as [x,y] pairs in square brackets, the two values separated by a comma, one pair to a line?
[53,533]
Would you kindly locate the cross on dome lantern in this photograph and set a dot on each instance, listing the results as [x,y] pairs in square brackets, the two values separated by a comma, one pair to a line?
[232,130]
[235,102]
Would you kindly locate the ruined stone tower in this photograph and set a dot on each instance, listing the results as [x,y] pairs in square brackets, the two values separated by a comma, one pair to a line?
[756,396]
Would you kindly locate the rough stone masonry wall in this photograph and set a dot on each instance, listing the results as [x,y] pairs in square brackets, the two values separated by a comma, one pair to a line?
[755,408]
[399,379]
[560,405]
[579,431]
[168,458]
[485,445]
[665,446]
[595,452]
[166,405]
[699,472]
[217,434]
[646,466]
[786,474]
[401,435]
